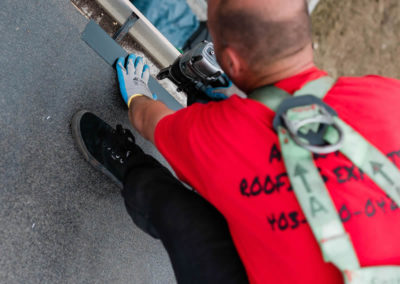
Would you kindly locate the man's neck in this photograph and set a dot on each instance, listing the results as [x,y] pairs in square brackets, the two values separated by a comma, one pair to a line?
[284,68]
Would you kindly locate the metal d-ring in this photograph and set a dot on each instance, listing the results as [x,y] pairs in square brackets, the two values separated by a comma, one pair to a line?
[325,118]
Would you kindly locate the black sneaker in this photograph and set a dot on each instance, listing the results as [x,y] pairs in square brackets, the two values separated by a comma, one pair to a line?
[105,148]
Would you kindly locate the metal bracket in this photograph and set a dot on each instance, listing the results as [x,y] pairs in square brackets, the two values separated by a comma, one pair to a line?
[124,29]
[143,31]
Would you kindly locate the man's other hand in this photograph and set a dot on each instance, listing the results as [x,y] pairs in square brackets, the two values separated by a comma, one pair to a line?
[224,92]
[133,78]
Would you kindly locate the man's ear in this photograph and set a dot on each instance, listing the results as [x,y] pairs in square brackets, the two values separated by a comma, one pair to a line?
[236,68]
[233,63]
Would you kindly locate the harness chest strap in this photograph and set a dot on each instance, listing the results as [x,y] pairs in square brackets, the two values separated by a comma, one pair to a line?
[311,192]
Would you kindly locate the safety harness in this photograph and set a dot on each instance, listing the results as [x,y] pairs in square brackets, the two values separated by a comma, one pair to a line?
[306,125]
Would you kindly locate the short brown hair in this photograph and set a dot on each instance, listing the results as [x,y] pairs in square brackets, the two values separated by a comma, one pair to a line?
[258,37]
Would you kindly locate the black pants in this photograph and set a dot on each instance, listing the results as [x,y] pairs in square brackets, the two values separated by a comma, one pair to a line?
[193,232]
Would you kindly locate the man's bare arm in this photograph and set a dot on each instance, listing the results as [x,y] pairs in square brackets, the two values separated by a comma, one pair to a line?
[145,114]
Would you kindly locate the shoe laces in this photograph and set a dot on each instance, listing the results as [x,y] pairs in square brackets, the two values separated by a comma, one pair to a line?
[123,143]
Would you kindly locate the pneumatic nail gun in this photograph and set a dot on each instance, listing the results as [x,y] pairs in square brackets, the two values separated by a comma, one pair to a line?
[195,71]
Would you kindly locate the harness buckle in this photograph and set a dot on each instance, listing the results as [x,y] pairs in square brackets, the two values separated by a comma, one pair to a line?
[308,118]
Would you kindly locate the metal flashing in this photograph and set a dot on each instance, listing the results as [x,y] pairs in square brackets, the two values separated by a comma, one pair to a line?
[110,51]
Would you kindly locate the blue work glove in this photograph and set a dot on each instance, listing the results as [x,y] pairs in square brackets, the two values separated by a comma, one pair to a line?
[133,79]
[222,93]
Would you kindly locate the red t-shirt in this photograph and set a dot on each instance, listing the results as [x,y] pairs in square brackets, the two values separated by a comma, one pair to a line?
[229,152]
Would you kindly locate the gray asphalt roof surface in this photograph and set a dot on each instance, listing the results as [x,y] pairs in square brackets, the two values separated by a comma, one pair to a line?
[60,220]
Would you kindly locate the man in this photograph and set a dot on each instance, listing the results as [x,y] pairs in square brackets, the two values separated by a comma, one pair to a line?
[229,152]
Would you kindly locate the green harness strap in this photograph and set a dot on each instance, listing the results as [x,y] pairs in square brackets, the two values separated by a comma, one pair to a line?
[308,185]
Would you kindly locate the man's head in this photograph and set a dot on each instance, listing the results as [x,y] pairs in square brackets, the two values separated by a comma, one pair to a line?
[255,39]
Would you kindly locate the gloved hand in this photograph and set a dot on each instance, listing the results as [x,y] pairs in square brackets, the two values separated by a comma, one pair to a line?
[221,93]
[133,80]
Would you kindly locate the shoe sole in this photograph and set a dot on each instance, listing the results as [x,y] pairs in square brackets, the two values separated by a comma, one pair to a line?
[76,134]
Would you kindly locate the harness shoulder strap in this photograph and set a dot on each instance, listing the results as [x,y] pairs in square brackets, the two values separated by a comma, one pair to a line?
[369,159]
[317,204]
[275,96]
[272,97]
[318,88]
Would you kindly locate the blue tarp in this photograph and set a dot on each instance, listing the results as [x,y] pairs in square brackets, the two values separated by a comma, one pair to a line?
[173,18]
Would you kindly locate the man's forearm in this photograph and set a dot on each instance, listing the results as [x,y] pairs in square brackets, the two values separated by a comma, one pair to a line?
[145,114]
